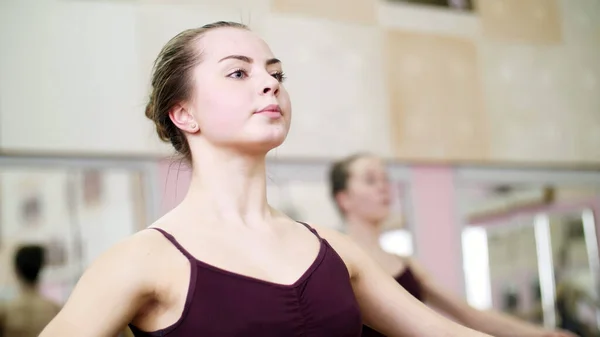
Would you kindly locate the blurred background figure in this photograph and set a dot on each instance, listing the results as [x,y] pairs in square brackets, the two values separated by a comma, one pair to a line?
[30,311]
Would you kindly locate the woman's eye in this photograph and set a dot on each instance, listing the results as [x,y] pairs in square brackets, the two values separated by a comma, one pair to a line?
[239,74]
[279,76]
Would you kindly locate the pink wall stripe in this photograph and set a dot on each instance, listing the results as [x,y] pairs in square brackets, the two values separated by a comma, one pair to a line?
[438,231]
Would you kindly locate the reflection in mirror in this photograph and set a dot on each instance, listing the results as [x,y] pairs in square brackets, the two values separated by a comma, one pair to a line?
[547,289]
[75,213]
[476,265]
[575,275]
[513,265]
[532,251]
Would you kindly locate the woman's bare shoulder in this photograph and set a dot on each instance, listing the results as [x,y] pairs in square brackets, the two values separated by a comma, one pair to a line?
[113,288]
[140,245]
[133,256]
[350,253]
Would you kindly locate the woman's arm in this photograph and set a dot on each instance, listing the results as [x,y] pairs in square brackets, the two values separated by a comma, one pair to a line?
[385,305]
[108,295]
[489,321]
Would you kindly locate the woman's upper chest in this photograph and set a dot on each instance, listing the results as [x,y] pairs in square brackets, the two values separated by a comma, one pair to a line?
[313,295]
[319,303]
[278,257]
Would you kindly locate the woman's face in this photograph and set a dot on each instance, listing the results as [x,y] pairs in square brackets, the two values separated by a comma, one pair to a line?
[239,100]
[368,193]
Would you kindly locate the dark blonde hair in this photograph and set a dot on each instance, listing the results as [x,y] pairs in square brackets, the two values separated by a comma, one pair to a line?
[339,175]
[172,81]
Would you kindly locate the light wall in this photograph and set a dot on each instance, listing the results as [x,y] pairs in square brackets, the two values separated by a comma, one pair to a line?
[518,81]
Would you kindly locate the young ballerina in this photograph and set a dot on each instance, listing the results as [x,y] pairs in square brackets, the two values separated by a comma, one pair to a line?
[361,190]
[223,262]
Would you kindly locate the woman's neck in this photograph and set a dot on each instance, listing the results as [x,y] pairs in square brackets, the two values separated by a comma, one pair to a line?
[363,232]
[230,187]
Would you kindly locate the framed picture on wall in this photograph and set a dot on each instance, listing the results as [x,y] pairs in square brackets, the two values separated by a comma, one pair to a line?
[30,201]
[92,188]
[31,210]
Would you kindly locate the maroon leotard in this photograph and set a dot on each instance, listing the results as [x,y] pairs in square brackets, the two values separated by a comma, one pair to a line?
[408,281]
[220,303]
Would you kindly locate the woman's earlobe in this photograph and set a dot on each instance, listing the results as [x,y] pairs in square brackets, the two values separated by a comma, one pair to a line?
[193,127]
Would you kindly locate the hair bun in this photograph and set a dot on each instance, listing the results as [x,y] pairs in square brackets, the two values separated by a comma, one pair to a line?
[161,128]
[150,110]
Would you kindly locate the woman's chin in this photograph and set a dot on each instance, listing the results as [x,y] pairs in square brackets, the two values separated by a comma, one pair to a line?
[380,218]
[269,141]
[262,146]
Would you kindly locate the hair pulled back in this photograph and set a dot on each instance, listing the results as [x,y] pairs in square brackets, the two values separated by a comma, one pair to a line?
[339,174]
[172,81]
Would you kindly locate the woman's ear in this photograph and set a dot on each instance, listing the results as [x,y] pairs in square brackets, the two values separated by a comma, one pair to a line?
[183,119]
[343,201]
